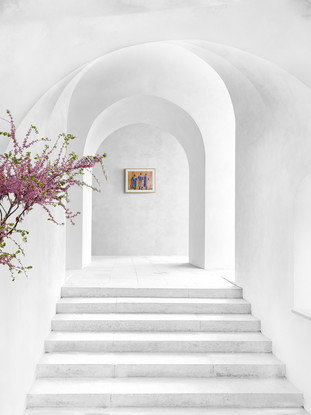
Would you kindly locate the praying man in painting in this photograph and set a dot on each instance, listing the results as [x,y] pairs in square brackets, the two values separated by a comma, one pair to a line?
[141,181]
[134,181]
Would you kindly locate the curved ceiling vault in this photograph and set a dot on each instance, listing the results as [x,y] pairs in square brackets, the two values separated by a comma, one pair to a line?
[189,88]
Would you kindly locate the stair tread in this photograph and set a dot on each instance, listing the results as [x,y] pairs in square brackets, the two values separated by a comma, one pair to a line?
[152,300]
[160,358]
[117,283]
[89,290]
[119,386]
[153,317]
[166,411]
[157,336]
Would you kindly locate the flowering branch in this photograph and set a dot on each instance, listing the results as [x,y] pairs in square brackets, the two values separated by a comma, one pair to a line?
[42,179]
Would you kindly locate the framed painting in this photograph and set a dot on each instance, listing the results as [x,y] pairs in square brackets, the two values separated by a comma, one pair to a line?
[140,180]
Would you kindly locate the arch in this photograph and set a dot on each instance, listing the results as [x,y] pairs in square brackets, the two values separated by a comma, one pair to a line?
[175,75]
[179,76]
[168,117]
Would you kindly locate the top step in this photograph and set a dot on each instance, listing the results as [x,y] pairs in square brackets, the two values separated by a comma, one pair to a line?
[166,411]
[222,292]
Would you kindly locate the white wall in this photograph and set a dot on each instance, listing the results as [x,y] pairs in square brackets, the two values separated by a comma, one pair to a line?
[271,163]
[302,247]
[26,308]
[28,304]
[142,224]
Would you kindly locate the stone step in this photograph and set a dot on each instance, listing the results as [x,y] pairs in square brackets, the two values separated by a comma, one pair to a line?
[159,365]
[166,411]
[162,292]
[153,305]
[157,342]
[164,392]
[155,322]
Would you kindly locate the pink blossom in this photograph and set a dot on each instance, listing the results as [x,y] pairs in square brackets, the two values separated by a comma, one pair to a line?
[42,179]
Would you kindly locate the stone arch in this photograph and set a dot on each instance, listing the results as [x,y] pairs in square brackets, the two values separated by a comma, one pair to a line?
[168,117]
[175,75]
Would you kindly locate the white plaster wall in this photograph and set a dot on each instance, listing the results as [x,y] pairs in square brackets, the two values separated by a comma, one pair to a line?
[28,304]
[26,308]
[302,247]
[270,165]
[142,224]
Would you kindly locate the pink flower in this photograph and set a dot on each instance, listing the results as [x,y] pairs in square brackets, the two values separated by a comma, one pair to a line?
[42,179]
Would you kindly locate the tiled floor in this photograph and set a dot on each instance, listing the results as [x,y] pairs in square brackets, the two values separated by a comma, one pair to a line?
[147,272]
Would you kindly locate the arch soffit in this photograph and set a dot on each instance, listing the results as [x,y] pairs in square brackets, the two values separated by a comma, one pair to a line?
[196,88]
[62,95]
[153,111]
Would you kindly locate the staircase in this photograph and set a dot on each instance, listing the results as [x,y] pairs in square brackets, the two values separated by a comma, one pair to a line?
[159,351]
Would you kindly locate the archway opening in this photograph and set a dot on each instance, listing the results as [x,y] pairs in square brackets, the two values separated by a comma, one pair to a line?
[180,93]
[152,224]
[167,117]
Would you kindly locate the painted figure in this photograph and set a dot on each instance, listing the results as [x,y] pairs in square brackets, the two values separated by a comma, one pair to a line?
[146,180]
[134,181]
[141,181]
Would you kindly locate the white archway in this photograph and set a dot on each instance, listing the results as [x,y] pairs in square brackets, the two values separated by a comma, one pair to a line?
[179,77]
[173,75]
[168,117]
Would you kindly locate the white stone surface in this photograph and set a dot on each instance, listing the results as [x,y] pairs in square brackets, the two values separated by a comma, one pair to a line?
[156,342]
[152,305]
[148,276]
[157,359]
[166,411]
[155,322]
[128,291]
[182,392]
[159,365]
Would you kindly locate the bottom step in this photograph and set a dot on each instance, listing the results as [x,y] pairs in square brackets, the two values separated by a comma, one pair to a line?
[165,411]
[164,392]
